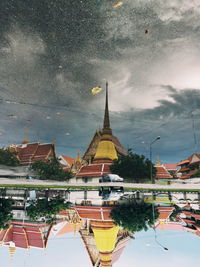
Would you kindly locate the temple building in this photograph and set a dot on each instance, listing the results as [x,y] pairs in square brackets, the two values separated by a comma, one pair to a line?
[102,150]
[104,241]
[161,171]
[188,167]
[31,152]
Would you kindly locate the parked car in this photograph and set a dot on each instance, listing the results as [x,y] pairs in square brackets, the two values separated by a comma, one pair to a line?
[111,178]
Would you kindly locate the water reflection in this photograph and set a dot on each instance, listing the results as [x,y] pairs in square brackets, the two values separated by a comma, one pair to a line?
[89,228]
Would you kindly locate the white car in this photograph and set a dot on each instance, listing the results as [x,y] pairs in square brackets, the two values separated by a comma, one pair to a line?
[111,178]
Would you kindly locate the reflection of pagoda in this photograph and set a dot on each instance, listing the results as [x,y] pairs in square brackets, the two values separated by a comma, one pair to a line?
[102,150]
[103,240]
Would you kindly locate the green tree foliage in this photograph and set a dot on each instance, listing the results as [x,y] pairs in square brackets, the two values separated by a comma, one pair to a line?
[50,171]
[132,166]
[8,158]
[135,217]
[46,209]
[5,212]
[197,174]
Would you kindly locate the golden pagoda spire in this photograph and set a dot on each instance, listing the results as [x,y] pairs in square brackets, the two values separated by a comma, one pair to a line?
[106,148]
[26,139]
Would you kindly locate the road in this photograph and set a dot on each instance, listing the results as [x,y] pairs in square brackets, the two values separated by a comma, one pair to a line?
[6,181]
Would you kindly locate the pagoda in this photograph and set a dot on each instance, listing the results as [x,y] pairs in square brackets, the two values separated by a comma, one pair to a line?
[103,239]
[102,150]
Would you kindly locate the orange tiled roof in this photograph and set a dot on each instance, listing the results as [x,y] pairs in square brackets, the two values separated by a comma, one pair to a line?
[161,172]
[69,160]
[183,162]
[94,213]
[28,153]
[94,170]
[170,166]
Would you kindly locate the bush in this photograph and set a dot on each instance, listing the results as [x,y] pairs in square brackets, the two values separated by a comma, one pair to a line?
[50,171]
[8,158]
[133,167]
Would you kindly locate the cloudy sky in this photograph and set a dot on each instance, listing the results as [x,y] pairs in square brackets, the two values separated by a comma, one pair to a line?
[53,52]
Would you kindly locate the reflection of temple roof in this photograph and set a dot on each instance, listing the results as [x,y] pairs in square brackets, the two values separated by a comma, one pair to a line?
[120,245]
[65,228]
[26,235]
[164,212]
[94,213]
[170,226]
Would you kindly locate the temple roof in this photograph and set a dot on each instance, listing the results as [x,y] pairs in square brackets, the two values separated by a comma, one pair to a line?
[66,161]
[162,172]
[98,146]
[94,170]
[28,153]
[105,150]
[170,166]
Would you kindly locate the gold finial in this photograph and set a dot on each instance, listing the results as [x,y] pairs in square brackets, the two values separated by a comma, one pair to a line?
[78,157]
[158,163]
[12,249]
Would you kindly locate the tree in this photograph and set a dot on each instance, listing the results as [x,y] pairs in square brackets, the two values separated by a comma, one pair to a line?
[8,158]
[135,217]
[197,174]
[50,171]
[5,212]
[47,209]
[132,166]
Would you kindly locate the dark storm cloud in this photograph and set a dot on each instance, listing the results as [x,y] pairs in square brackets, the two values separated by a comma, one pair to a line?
[176,121]
[53,52]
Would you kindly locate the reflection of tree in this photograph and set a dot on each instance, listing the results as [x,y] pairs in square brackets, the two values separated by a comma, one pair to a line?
[48,210]
[5,212]
[134,217]
[175,212]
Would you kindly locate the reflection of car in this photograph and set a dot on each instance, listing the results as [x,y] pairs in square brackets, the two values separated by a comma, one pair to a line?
[111,178]
[111,193]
